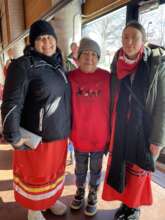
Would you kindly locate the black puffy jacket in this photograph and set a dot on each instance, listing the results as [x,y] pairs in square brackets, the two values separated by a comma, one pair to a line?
[36,97]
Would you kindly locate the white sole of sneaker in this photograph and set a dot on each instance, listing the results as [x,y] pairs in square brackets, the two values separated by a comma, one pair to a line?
[90,214]
[77,207]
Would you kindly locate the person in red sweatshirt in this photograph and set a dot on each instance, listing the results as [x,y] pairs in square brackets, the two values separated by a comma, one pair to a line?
[90,122]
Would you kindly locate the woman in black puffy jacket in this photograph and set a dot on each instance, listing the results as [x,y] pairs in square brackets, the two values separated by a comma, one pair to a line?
[37,98]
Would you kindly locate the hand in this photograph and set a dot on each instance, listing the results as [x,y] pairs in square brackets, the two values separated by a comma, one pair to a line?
[21,142]
[155,150]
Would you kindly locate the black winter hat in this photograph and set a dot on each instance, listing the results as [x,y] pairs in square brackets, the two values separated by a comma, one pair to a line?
[39,28]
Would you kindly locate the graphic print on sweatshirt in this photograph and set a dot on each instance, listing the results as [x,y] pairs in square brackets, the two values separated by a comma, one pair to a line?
[88,92]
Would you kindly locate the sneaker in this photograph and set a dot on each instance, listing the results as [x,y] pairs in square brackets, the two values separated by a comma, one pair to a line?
[126,213]
[59,208]
[35,215]
[78,200]
[120,214]
[91,208]
[133,214]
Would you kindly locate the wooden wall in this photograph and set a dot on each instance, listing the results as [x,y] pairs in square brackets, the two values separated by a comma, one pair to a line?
[35,9]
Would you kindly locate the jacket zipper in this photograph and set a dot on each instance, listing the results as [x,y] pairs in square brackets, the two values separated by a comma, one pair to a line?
[41,117]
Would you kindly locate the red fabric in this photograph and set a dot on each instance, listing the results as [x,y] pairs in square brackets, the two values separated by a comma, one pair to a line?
[5,71]
[125,68]
[137,191]
[37,205]
[90,109]
[38,169]
[1,91]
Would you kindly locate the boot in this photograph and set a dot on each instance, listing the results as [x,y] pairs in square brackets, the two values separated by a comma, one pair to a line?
[35,215]
[59,208]
[91,207]
[126,213]
[78,200]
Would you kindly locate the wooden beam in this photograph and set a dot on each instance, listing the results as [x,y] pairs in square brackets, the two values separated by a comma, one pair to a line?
[7,21]
[92,9]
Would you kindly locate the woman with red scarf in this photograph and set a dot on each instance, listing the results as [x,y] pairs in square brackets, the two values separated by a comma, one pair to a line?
[137,122]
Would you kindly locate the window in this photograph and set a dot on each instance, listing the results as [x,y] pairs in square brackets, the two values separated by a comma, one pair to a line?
[107,32]
[154,24]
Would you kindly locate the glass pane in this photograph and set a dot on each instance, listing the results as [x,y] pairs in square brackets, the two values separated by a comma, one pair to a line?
[107,32]
[154,24]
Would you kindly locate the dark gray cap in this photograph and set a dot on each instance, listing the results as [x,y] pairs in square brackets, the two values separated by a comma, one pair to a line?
[89,44]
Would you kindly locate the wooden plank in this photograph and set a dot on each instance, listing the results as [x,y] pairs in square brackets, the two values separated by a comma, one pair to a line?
[35,9]
[92,6]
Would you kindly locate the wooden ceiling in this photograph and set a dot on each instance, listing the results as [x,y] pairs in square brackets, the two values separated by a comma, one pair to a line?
[92,9]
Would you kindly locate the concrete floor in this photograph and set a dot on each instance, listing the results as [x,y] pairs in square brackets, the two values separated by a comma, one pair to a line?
[9,210]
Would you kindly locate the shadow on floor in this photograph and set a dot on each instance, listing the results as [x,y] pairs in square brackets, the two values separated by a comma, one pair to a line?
[79,214]
[5,159]
[12,211]
[6,185]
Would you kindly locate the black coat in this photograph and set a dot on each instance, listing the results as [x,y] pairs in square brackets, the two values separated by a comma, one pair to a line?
[36,97]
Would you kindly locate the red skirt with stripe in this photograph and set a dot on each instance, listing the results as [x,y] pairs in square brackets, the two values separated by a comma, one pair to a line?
[39,174]
[138,187]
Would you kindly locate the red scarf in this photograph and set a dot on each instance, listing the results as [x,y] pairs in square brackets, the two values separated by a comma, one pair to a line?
[126,66]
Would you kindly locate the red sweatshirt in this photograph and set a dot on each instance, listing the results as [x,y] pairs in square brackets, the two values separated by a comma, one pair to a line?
[90,109]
